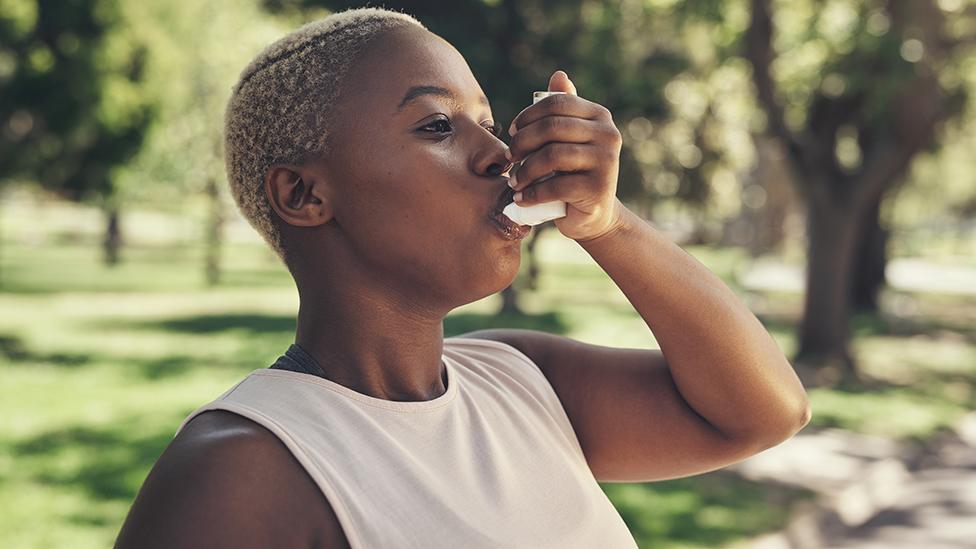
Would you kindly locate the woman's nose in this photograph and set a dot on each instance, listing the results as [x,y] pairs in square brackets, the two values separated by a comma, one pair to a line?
[499,169]
[499,163]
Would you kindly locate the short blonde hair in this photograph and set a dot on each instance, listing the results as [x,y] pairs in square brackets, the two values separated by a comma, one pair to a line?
[284,103]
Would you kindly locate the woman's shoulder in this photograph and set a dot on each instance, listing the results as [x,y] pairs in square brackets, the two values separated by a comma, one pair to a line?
[219,468]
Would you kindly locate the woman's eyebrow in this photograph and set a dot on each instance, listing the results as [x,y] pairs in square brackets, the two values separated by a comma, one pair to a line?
[418,91]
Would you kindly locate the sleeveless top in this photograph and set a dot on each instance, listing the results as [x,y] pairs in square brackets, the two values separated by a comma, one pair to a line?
[493,462]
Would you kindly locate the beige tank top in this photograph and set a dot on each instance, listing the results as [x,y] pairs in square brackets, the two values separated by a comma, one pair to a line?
[493,462]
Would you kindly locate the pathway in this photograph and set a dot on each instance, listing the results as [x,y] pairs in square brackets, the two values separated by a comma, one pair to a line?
[874,493]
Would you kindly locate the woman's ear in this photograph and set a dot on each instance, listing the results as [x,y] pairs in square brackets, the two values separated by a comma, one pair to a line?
[298,196]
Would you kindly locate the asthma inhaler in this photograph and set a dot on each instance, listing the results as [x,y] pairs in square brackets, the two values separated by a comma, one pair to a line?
[537,213]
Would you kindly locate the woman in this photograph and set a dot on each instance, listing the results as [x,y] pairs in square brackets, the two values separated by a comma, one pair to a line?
[363,150]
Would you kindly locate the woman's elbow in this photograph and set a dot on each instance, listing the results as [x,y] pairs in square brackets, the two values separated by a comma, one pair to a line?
[795,419]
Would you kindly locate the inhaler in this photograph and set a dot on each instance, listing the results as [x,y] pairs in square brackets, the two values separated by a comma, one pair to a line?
[537,213]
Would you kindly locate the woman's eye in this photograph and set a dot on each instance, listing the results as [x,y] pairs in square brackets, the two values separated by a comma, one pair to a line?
[495,129]
[440,123]
[444,126]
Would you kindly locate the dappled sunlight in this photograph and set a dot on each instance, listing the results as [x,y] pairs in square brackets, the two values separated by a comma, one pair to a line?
[767,139]
[81,356]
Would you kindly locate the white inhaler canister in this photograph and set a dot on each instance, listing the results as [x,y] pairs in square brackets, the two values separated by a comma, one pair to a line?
[536,213]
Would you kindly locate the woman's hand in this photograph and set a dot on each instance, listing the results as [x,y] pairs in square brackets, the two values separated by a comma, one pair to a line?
[567,134]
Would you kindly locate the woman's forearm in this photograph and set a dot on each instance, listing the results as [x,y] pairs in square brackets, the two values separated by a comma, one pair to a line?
[723,361]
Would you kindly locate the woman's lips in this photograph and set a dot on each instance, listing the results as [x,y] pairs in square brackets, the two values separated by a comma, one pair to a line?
[509,229]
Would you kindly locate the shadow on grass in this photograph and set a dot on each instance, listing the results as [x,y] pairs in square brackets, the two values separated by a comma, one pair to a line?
[13,350]
[865,324]
[153,369]
[886,324]
[107,464]
[454,324]
[13,353]
[209,324]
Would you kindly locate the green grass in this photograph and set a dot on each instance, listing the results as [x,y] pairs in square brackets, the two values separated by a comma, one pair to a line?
[920,363]
[707,510]
[101,364]
[924,366]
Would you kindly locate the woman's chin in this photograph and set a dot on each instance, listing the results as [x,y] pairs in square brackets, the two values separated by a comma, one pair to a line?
[509,275]
[503,271]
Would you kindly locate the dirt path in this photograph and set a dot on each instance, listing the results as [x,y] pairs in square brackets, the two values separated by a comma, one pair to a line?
[874,493]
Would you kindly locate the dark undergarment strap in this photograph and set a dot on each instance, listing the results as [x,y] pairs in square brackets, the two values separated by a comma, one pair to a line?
[297,359]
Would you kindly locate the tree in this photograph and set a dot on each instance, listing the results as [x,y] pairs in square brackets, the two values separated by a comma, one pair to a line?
[853,92]
[197,50]
[69,102]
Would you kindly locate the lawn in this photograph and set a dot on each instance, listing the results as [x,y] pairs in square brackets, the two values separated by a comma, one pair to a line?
[101,364]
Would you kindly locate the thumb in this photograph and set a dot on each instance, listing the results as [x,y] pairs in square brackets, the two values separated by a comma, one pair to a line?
[559,81]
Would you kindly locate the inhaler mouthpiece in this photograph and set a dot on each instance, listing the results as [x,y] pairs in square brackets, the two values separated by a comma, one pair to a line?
[536,213]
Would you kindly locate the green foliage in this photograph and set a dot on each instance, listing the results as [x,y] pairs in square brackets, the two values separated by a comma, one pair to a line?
[861,81]
[196,52]
[857,49]
[941,189]
[71,104]
[671,72]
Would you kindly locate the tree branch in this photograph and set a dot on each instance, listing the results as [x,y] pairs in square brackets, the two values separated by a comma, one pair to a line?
[759,52]
[918,111]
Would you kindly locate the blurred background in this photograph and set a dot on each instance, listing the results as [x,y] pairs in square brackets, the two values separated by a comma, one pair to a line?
[815,154]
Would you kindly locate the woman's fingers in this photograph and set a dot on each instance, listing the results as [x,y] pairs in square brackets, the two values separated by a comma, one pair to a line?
[557,157]
[570,188]
[551,129]
[563,104]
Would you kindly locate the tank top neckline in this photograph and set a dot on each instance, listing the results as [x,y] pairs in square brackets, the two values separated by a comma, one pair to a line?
[395,405]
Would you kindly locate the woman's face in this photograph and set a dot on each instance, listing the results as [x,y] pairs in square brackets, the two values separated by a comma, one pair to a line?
[417,175]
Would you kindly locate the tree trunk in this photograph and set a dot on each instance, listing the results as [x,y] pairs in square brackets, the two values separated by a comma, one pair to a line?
[831,237]
[510,302]
[113,236]
[1,242]
[213,233]
[533,281]
[774,177]
[868,275]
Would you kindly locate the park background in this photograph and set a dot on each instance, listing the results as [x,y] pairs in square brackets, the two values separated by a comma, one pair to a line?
[815,154]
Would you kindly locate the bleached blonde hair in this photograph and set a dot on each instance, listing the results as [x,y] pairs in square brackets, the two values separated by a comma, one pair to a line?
[284,104]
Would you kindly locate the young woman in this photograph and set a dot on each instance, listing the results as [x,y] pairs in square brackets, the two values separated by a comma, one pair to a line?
[363,150]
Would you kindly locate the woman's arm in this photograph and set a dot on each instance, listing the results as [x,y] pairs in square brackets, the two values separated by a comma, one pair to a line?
[724,363]
[717,392]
